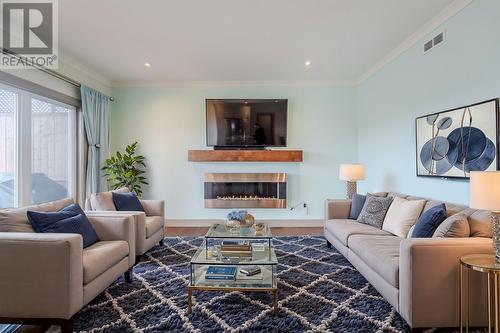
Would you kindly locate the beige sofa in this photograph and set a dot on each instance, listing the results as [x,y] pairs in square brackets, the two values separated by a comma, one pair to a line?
[150,224]
[419,276]
[48,277]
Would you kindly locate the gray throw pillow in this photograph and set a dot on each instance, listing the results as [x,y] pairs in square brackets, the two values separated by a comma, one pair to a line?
[374,210]
[454,226]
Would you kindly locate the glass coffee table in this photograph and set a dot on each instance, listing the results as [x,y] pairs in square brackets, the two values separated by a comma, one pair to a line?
[209,254]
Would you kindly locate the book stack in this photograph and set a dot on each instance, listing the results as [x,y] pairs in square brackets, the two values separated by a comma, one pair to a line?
[221,273]
[231,248]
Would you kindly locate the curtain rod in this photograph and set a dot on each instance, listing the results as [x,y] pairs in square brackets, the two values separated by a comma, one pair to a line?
[51,72]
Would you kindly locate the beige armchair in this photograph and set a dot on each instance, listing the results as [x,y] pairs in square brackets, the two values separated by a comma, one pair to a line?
[45,278]
[150,224]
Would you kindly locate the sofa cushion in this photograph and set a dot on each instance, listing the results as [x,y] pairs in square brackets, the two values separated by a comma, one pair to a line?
[402,215]
[480,224]
[16,219]
[396,195]
[380,253]
[343,229]
[54,206]
[451,208]
[454,226]
[429,221]
[103,201]
[153,224]
[357,203]
[127,202]
[374,210]
[101,256]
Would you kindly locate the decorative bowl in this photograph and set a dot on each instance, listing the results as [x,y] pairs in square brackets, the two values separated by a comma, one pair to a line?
[232,224]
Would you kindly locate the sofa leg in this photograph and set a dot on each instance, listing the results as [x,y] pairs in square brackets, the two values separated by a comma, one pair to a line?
[67,326]
[161,243]
[328,244]
[129,275]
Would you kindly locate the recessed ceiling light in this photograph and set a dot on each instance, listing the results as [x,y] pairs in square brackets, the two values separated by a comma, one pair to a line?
[147,64]
[307,63]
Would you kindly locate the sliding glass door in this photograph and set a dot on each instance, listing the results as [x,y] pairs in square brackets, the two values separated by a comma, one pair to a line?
[9,109]
[37,148]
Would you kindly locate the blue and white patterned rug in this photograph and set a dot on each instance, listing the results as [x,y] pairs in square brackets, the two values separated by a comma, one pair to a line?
[319,292]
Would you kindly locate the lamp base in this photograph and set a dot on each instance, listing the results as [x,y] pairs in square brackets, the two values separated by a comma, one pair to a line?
[351,189]
[495,219]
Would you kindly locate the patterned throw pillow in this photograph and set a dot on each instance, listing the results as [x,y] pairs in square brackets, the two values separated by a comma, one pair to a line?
[374,210]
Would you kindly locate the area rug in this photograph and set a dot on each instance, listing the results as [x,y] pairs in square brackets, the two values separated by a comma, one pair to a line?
[320,291]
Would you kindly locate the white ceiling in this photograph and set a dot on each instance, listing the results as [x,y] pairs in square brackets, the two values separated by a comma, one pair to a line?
[238,40]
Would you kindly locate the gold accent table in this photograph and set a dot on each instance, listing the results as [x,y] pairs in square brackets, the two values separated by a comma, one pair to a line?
[203,258]
[484,263]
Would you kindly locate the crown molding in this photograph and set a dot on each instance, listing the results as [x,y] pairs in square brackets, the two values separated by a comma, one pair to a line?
[153,84]
[448,12]
[84,74]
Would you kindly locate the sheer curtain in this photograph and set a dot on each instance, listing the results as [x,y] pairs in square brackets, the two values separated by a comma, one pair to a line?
[95,107]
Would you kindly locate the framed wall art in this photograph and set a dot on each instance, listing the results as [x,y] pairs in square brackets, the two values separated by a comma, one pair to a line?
[455,142]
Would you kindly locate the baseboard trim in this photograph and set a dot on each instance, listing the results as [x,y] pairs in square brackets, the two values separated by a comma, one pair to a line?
[295,223]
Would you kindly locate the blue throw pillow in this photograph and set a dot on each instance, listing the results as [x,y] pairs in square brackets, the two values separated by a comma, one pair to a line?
[357,203]
[41,220]
[70,220]
[127,202]
[429,221]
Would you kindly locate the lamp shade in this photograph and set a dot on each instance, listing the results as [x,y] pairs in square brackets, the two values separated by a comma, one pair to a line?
[485,190]
[352,172]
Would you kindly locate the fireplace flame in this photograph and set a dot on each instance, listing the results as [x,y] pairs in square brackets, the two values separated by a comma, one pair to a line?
[246,197]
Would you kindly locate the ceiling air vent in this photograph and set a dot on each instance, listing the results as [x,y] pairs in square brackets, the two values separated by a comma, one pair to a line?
[435,41]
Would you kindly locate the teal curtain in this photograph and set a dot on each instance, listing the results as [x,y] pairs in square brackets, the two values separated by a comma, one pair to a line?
[95,106]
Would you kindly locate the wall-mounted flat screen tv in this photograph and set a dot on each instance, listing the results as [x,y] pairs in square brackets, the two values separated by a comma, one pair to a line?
[246,123]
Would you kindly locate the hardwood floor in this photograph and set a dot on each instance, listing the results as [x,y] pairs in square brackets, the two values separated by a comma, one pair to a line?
[277,231]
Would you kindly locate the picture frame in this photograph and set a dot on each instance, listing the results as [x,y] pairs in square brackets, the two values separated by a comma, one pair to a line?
[454,142]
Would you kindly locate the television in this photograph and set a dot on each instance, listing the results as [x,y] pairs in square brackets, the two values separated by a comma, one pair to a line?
[246,123]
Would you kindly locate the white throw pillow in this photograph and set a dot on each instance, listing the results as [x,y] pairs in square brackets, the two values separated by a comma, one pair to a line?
[402,215]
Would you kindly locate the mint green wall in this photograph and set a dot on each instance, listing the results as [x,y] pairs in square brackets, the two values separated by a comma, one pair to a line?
[463,70]
[167,121]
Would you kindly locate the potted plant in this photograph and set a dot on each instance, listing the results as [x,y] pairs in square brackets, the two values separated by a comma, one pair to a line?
[126,170]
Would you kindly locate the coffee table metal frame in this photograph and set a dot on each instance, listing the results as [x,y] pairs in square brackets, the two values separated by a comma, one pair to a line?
[267,261]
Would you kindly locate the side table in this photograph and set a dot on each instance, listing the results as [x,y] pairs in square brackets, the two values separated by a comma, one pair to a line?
[484,263]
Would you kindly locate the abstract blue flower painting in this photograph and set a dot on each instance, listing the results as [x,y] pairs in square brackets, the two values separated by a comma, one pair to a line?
[455,142]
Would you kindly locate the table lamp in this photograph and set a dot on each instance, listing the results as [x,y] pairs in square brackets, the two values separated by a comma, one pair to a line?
[351,173]
[485,194]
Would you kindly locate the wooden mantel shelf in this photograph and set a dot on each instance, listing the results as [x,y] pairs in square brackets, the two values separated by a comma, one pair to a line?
[245,155]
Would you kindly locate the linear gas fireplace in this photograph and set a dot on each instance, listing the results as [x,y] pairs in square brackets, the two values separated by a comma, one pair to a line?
[245,190]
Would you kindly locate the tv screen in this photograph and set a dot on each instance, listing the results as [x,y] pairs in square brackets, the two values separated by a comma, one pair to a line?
[246,122]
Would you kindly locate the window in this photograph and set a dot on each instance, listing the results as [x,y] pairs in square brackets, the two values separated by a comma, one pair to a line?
[37,148]
[8,114]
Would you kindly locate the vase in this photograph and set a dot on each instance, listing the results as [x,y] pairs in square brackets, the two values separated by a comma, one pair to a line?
[248,220]
[495,218]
